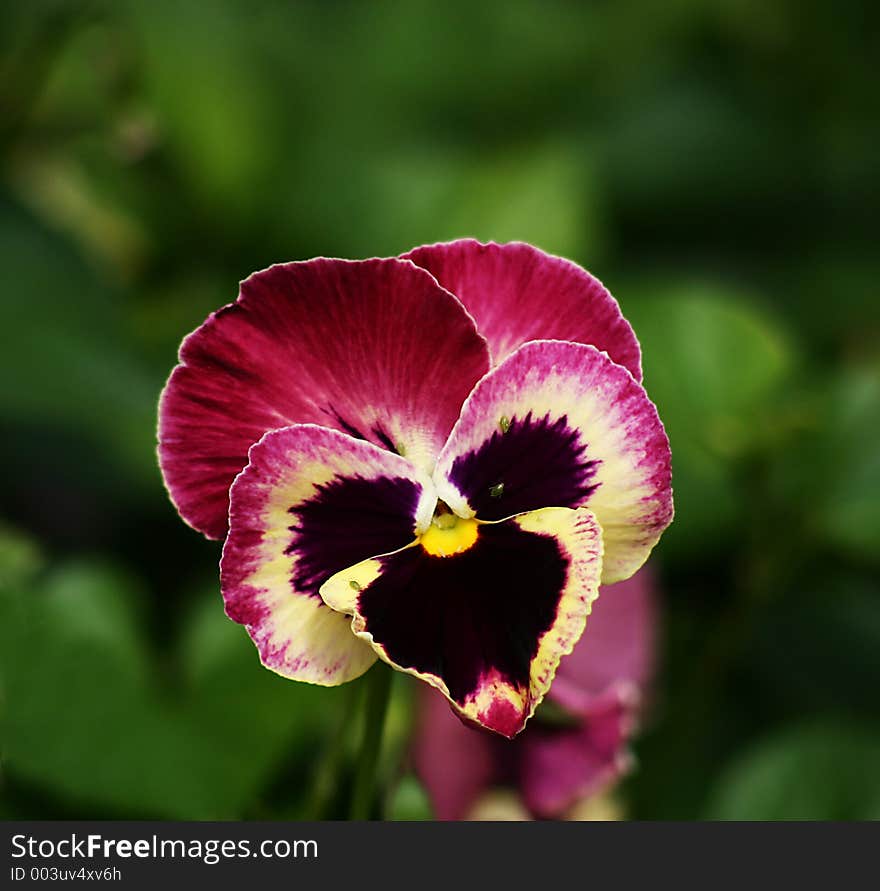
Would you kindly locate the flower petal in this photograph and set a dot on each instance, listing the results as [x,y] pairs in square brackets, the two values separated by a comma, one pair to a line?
[374,348]
[486,626]
[598,685]
[518,293]
[619,650]
[310,502]
[499,806]
[560,765]
[455,762]
[560,424]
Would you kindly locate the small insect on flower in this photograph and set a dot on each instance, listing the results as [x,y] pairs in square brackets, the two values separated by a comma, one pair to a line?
[434,460]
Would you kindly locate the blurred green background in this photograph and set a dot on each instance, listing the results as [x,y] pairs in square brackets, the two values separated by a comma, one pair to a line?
[715,163]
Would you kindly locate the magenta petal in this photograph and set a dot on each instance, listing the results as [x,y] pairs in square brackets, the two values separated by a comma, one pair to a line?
[600,684]
[374,348]
[518,293]
[618,649]
[559,766]
[454,762]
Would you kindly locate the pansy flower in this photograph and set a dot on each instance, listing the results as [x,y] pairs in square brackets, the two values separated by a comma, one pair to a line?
[575,748]
[434,460]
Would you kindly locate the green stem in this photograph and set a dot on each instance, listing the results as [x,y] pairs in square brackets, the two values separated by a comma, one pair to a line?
[378,695]
[331,765]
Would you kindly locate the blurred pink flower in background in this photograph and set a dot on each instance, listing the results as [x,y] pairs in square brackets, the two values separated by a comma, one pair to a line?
[576,746]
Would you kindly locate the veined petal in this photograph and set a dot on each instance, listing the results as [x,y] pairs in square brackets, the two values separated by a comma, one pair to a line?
[310,502]
[374,348]
[560,424]
[518,293]
[487,625]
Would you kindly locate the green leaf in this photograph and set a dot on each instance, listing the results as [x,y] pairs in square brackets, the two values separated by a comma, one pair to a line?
[20,558]
[92,715]
[850,475]
[232,704]
[712,363]
[545,194]
[214,113]
[409,801]
[817,772]
[67,360]
[73,677]
[832,485]
[715,369]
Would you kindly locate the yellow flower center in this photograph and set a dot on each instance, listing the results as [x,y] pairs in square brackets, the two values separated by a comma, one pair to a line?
[449,535]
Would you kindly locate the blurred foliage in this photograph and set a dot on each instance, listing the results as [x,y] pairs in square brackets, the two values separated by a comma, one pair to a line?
[715,368]
[97,718]
[804,773]
[702,158]
[408,801]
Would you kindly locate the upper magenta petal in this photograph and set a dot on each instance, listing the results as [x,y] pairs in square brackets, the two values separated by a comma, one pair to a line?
[517,293]
[374,348]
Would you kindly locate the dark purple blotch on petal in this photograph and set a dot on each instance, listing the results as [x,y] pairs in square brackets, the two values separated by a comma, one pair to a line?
[379,435]
[348,520]
[527,464]
[462,617]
